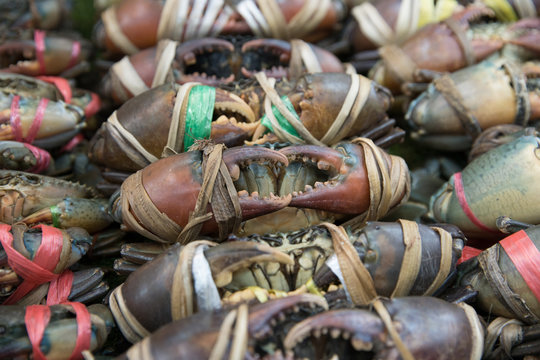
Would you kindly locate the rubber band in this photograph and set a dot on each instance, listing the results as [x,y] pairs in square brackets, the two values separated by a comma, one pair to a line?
[38,119]
[460,194]
[55,214]
[93,106]
[75,52]
[286,125]
[468,253]
[76,140]
[43,159]
[39,40]
[84,330]
[15,120]
[39,270]
[199,114]
[36,318]
[61,84]
[60,288]
[526,258]
[503,10]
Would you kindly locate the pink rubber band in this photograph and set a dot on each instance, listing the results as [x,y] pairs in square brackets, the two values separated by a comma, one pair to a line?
[39,40]
[36,318]
[75,52]
[60,288]
[61,84]
[526,258]
[460,194]
[84,330]
[38,119]
[43,159]
[468,253]
[15,118]
[76,140]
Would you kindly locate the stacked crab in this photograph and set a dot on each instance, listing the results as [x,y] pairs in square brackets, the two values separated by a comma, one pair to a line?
[240,188]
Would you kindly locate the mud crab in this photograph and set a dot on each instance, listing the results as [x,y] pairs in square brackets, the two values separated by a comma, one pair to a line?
[261,181]
[474,198]
[325,108]
[133,25]
[35,53]
[68,330]
[453,44]
[185,280]
[214,61]
[35,264]
[448,116]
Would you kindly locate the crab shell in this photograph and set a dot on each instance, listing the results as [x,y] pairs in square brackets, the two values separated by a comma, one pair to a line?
[61,333]
[57,55]
[139,20]
[148,117]
[435,47]
[488,299]
[501,182]
[488,93]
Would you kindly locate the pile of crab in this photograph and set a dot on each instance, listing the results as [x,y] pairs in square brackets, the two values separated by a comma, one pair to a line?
[269,179]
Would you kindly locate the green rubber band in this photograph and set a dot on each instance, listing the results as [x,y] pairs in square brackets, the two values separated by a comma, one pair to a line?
[285,125]
[199,114]
[55,213]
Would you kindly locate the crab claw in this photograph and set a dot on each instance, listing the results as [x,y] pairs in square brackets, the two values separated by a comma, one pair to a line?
[15,155]
[416,320]
[331,179]
[148,118]
[195,337]
[59,54]
[160,276]
[89,214]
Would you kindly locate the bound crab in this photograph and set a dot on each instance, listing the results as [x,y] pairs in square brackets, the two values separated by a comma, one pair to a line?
[35,265]
[37,53]
[253,181]
[317,109]
[134,25]
[457,42]
[448,116]
[214,61]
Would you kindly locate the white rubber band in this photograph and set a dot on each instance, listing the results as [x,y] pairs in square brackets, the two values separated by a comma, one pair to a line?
[205,288]
[114,32]
[525,8]
[333,264]
[164,63]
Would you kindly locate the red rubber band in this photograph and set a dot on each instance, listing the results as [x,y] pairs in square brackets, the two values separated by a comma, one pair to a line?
[43,159]
[37,318]
[93,107]
[468,253]
[39,270]
[39,40]
[15,118]
[38,119]
[75,52]
[60,288]
[460,194]
[84,330]
[526,258]
[61,84]
[76,140]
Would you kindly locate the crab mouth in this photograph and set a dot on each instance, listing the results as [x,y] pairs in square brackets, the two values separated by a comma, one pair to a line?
[207,61]
[304,172]
[16,56]
[269,55]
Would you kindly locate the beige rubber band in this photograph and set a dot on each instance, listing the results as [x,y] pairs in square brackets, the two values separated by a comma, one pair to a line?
[164,61]
[446,261]
[412,258]
[129,77]
[493,332]
[303,57]
[240,339]
[274,18]
[175,137]
[525,8]
[407,21]
[138,211]
[130,327]
[372,24]
[387,320]
[114,32]
[222,342]
[357,278]
[141,351]
[308,18]
[477,330]
[398,63]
